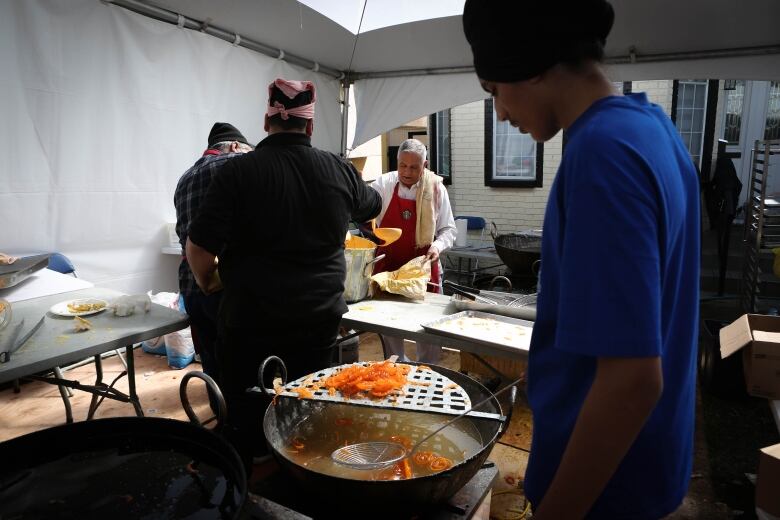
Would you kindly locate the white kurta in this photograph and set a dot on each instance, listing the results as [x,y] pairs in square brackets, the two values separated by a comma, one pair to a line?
[446,231]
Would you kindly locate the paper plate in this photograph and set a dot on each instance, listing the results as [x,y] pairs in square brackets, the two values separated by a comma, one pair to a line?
[80,307]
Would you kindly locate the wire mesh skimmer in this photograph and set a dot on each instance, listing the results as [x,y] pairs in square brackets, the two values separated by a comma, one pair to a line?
[425,391]
[380,454]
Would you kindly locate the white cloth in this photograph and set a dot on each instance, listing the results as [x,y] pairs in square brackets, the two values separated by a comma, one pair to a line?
[445,221]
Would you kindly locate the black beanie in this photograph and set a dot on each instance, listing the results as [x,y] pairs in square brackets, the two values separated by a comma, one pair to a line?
[515,40]
[222,132]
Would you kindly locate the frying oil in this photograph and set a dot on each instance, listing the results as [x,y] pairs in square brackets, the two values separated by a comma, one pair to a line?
[315,437]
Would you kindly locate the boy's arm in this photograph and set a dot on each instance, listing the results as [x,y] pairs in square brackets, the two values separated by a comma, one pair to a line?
[623,395]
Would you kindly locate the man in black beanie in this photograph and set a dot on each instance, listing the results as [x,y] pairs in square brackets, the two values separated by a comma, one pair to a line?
[224,143]
[225,133]
[611,370]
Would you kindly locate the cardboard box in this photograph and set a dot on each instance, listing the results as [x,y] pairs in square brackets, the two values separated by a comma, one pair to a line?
[768,483]
[758,337]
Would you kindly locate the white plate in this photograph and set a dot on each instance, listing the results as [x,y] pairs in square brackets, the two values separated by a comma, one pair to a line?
[62,308]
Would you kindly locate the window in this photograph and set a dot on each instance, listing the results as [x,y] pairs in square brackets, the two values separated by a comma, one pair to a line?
[772,129]
[735,96]
[512,159]
[689,115]
[623,87]
[440,152]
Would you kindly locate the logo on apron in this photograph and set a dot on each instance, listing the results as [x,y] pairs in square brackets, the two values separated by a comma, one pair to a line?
[406,214]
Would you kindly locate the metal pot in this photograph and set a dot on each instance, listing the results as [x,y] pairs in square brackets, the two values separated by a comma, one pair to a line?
[347,495]
[359,267]
[126,467]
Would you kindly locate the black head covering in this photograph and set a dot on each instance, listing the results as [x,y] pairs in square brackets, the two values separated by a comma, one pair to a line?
[222,132]
[515,40]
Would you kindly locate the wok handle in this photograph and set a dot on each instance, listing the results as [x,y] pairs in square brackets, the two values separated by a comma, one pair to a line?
[465,288]
[536,267]
[494,230]
[500,279]
[261,371]
[372,262]
[213,387]
[508,415]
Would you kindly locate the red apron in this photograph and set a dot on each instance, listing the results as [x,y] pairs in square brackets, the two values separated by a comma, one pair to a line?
[402,213]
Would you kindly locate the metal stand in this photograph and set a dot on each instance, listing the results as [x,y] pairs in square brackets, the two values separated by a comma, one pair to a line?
[99,389]
[762,228]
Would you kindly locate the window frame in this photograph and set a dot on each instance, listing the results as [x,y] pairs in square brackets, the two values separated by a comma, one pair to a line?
[703,145]
[433,149]
[490,180]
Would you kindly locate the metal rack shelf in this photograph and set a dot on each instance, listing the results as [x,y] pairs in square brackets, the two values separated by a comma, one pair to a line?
[762,223]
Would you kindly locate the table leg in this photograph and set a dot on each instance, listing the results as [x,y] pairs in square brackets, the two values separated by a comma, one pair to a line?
[131,381]
[384,349]
[58,373]
[66,395]
[93,404]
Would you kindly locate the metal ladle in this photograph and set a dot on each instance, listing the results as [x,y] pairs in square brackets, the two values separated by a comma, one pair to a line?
[380,454]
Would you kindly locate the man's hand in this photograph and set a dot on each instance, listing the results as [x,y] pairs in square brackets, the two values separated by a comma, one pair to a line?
[203,265]
[433,254]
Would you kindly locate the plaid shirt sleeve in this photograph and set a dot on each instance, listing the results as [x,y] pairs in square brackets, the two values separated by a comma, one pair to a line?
[187,198]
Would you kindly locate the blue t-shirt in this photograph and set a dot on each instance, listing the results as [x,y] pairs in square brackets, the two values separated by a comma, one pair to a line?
[619,278]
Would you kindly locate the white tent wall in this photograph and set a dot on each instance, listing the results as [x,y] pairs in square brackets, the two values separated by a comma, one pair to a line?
[382,104]
[385,103]
[103,110]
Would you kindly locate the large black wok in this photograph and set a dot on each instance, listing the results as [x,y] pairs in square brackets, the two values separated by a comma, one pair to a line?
[350,496]
[520,252]
[121,468]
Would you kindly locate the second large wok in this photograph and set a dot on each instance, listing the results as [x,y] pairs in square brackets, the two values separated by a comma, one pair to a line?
[520,252]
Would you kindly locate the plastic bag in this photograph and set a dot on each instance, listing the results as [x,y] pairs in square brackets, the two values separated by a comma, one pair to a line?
[154,346]
[127,305]
[177,346]
[411,280]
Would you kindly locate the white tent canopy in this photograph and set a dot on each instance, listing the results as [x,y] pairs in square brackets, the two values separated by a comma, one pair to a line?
[661,39]
[104,108]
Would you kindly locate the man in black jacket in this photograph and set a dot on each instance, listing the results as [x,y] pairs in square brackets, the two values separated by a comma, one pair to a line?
[277,218]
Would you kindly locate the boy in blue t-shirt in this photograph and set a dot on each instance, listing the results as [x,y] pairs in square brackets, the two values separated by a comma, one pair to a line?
[611,370]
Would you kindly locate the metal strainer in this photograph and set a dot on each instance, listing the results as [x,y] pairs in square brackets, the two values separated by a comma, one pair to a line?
[380,454]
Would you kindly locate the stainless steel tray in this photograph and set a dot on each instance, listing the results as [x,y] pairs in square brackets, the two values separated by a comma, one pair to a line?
[435,326]
[18,271]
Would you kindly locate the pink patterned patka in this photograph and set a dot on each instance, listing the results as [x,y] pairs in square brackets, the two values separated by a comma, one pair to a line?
[291,89]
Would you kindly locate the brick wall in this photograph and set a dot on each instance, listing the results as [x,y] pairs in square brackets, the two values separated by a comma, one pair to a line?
[512,209]
[658,91]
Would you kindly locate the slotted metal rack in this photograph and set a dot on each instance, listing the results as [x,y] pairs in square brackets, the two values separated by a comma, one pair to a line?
[762,222]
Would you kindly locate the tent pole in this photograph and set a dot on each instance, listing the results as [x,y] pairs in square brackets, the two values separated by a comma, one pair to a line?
[609,60]
[344,115]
